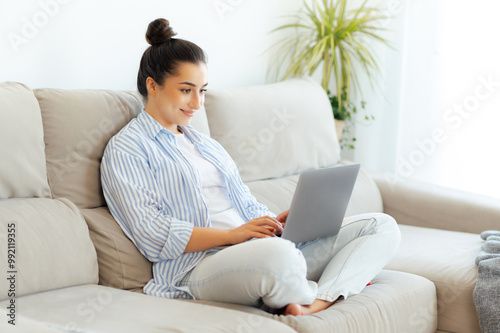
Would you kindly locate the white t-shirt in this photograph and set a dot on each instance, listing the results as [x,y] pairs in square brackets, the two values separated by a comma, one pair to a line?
[222,213]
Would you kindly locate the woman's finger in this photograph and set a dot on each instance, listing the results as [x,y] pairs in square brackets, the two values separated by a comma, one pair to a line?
[263,232]
[269,221]
[283,216]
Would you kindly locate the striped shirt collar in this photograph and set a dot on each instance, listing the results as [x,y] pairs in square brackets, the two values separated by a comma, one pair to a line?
[152,128]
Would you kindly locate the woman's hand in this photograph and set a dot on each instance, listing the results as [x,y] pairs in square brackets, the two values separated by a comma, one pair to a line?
[206,238]
[282,218]
[264,226]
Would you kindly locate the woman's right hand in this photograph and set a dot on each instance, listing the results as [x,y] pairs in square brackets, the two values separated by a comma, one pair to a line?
[260,227]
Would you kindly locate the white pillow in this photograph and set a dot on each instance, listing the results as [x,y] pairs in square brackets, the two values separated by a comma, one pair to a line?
[274,130]
[23,172]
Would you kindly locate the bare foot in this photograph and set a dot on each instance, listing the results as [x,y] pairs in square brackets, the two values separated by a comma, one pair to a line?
[295,309]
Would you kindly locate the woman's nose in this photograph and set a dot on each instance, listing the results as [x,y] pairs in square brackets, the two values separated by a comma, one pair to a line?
[196,101]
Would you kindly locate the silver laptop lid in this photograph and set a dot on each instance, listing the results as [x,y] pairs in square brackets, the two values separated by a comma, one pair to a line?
[319,203]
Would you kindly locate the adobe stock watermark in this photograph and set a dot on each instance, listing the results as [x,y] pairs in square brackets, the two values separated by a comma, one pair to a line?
[11,271]
[253,145]
[323,252]
[454,117]
[393,8]
[33,24]
[222,7]
[249,324]
[88,309]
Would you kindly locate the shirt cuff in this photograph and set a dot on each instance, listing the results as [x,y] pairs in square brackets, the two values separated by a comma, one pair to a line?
[177,240]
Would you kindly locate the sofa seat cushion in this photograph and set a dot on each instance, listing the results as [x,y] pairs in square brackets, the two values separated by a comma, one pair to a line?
[23,172]
[51,242]
[121,265]
[395,302]
[95,308]
[277,193]
[23,324]
[447,258]
[274,130]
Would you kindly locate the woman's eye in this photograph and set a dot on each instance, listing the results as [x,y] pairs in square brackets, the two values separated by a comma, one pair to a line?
[186,91]
[203,91]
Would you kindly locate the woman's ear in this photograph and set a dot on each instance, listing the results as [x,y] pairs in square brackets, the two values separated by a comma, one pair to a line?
[151,86]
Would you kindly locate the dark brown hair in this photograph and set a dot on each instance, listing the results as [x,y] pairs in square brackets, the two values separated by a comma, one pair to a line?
[163,57]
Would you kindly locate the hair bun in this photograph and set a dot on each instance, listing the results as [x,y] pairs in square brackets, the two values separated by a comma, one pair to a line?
[159,31]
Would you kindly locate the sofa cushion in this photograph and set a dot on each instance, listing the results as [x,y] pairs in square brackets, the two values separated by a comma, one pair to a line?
[365,196]
[23,323]
[22,171]
[52,245]
[274,130]
[77,126]
[447,258]
[395,302]
[277,194]
[121,265]
[94,308]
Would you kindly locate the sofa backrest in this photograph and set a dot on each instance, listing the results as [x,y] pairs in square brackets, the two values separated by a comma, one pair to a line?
[271,131]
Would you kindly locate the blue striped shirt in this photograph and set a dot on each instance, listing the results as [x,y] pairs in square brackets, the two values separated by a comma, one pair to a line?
[155,194]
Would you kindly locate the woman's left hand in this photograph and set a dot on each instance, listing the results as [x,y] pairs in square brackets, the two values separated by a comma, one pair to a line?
[282,218]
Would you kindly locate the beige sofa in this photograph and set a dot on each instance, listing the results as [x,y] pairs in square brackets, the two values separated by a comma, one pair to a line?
[73,269]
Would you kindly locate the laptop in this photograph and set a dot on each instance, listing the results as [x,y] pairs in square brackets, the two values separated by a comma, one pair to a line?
[319,203]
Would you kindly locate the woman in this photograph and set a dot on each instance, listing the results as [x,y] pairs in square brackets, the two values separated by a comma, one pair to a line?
[178,196]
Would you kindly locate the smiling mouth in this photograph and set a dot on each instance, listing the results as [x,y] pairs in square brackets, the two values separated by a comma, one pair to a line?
[188,113]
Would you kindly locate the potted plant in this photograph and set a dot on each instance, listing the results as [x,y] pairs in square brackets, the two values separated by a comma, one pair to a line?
[327,33]
[344,115]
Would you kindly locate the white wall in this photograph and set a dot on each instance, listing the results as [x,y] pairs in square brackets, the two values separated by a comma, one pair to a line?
[451,96]
[98,44]
[377,141]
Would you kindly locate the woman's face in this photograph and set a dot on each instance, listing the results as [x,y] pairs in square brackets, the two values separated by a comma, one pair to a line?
[177,100]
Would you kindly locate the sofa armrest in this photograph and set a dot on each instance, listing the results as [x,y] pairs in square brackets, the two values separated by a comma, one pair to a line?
[426,205]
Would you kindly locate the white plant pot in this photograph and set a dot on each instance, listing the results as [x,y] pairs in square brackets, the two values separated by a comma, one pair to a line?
[339,127]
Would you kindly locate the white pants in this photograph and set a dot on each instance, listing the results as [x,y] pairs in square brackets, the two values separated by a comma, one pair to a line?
[274,272]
